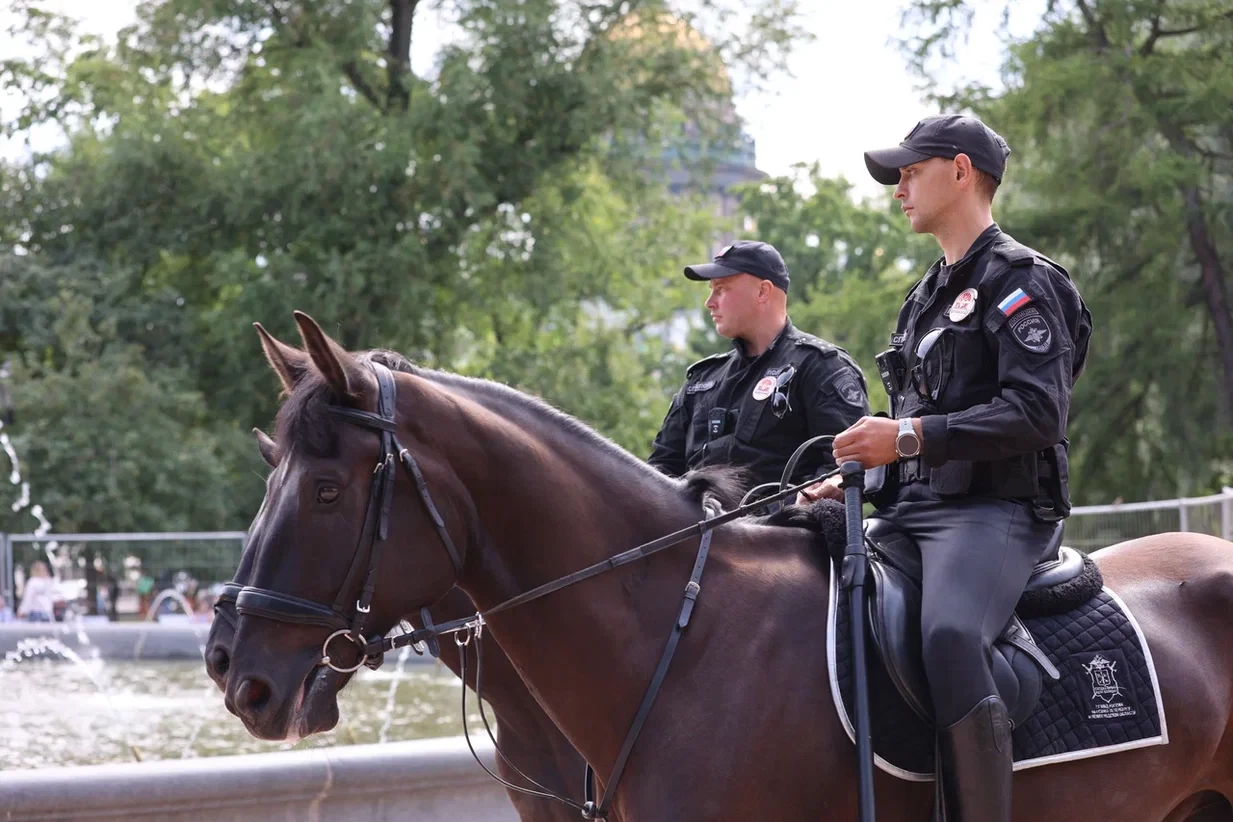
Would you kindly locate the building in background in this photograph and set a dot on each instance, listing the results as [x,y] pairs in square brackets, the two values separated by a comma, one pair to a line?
[693,158]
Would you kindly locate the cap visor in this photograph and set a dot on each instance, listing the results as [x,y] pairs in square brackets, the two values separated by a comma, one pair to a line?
[884,163]
[709,271]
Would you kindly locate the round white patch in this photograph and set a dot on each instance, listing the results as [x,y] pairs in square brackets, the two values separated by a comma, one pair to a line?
[764,388]
[963,306]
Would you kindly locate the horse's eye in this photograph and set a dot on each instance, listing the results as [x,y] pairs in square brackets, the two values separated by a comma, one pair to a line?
[327,494]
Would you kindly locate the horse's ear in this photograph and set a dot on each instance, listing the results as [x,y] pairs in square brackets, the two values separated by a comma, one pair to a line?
[266,446]
[341,370]
[291,364]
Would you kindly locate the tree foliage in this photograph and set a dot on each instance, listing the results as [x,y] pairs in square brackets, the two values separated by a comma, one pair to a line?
[226,162]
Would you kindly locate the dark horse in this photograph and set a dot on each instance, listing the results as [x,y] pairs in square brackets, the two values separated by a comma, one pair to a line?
[528,739]
[744,726]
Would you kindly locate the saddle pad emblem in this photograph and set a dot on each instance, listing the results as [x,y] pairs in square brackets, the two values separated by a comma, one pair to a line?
[764,388]
[963,306]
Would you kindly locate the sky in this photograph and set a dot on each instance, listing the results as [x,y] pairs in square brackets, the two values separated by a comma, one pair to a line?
[849,90]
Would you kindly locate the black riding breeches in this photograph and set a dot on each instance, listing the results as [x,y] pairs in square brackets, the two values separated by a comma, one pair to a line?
[976,557]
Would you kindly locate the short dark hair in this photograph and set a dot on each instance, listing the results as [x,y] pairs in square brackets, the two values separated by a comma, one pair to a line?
[986,184]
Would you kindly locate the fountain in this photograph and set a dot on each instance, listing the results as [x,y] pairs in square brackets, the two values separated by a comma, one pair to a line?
[152,613]
[35,647]
[164,708]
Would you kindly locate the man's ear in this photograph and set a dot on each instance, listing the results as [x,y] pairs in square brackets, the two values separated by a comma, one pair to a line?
[964,172]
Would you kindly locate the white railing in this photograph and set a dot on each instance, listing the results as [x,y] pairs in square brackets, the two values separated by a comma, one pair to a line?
[1092,527]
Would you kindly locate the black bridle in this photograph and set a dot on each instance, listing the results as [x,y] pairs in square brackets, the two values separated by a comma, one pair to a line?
[263,602]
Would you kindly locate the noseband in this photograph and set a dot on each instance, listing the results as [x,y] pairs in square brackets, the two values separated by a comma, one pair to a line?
[345,619]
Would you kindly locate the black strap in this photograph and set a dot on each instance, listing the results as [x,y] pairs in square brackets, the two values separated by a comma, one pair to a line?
[432,643]
[413,468]
[286,608]
[224,606]
[366,419]
[589,809]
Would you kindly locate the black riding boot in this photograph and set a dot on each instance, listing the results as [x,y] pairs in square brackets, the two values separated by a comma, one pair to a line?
[974,766]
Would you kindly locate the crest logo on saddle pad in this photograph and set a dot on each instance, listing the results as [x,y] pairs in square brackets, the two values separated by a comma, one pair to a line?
[963,306]
[1107,695]
[763,389]
[1104,679]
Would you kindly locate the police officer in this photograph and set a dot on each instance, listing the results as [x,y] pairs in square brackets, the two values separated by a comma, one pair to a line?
[776,387]
[980,370]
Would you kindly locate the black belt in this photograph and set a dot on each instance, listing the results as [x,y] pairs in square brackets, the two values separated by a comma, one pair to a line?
[912,469]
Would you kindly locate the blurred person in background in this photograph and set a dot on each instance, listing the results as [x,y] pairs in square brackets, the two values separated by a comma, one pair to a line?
[39,595]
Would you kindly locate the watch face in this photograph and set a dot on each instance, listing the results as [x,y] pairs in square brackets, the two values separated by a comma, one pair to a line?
[907,444]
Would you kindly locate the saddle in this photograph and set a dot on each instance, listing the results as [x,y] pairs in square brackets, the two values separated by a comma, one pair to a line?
[1063,581]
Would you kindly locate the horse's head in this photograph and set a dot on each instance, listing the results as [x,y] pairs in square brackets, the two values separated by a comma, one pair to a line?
[324,573]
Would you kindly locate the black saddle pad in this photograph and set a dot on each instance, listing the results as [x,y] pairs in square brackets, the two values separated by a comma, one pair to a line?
[1107,700]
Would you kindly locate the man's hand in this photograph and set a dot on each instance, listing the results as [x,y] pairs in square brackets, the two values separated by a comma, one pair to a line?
[826,489]
[870,441]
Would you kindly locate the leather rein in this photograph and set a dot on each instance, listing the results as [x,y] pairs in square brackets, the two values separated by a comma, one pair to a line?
[270,604]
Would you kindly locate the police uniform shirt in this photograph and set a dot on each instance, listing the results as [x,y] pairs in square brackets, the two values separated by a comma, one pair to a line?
[727,412]
[992,346]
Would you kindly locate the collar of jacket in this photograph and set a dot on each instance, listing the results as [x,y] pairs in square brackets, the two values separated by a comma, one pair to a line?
[944,272]
[739,344]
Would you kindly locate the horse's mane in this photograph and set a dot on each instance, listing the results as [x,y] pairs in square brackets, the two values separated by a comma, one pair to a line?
[304,419]
[727,483]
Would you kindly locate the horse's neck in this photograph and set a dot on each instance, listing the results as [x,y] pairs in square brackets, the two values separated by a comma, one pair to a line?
[548,517]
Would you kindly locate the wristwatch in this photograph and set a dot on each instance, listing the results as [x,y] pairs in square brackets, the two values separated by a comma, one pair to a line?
[907,443]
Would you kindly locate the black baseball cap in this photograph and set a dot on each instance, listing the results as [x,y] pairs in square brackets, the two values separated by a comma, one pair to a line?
[944,135]
[744,257]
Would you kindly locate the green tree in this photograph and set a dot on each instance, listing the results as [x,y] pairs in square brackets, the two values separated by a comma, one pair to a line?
[109,441]
[227,162]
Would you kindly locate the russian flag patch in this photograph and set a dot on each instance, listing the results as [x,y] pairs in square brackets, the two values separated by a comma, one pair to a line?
[1014,301]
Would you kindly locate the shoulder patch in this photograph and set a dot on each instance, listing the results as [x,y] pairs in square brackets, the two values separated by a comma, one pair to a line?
[848,388]
[722,355]
[1031,330]
[813,342]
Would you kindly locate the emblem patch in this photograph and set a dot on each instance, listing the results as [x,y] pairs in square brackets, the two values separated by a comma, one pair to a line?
[848,387]
[700,386]
[1104,695]
[1013,301]
[764,388]
[1032,332]
[963,306]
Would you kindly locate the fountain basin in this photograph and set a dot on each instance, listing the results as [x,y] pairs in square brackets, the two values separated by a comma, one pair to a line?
[425,780]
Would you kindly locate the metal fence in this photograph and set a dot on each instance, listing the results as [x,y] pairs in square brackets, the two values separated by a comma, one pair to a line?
[1092,527]
[206,556]
[212,556]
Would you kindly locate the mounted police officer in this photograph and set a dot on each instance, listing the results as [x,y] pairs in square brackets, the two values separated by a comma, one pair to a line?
[980,371]
[775,388]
